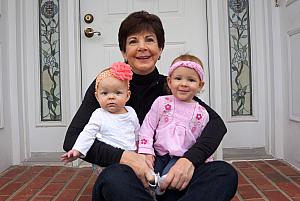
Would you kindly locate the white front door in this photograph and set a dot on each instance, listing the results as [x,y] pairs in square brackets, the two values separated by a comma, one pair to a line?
[287,91]
[185,32]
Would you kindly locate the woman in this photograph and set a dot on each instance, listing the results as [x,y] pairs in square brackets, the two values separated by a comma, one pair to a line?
[141,41]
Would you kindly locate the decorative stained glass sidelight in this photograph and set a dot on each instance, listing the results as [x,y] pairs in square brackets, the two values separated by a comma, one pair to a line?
[240,57]
[50,88]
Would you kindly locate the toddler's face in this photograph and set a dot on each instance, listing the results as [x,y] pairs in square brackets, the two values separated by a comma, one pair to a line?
[112,95]
[185,83]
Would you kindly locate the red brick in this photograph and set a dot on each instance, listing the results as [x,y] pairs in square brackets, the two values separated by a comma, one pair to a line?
[288,171]
[242,179]
[51,189]
[85,198]
[277,178]
[26,193]
[248,192]
[10,188]
[242,164]
[88,190]
[76,184]
[43,198]
[263,184]
[296,180]
[266,169]
[62,178]
[235,198]
[276,163]
[67,195]
[85,172]
[4,181]
[50,171]
[14,171]
[38,182]
[251,173]
[36,169]
[3,198]
[275,196]
[257,163]
[69,170]
[290,189]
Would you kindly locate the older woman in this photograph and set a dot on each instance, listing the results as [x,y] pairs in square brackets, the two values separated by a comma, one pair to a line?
[141,41]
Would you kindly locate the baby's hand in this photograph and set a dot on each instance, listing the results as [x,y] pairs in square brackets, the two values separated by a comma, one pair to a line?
[150,160]
[70,156]
[151,178]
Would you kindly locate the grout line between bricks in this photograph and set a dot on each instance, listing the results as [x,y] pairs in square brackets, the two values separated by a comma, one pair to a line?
[14,179]
[279,172]
[282,174]
[46,184]
[277,187]
[84,187]
[253,185]
[66,184]
[25,184]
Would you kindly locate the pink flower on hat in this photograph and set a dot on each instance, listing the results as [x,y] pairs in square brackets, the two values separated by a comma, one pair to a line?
[121,70]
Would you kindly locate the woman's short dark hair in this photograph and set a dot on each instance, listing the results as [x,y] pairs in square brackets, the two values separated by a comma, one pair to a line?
[138,22]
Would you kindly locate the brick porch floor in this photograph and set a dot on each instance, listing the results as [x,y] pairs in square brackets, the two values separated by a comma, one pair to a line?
[258,180]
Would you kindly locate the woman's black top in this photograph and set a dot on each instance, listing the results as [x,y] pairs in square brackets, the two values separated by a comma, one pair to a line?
[144,90]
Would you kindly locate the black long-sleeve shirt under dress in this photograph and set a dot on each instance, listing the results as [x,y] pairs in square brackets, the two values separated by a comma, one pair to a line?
[144,90]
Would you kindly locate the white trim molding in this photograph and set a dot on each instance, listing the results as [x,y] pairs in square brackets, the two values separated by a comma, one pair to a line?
[1,69]
[1,85]
[293,40]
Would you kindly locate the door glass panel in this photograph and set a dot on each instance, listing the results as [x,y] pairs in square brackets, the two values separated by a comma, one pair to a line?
[50,89]
[240,57]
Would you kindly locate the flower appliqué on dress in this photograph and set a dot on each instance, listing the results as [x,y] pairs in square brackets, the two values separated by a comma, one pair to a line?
[168,107]
[143,141]
[198,116]
[197,121]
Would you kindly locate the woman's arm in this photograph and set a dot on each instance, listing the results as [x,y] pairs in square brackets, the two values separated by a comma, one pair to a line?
[100,153]
[210,138]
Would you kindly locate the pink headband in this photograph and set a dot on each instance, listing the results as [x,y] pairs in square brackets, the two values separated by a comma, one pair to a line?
[189,64]
[119,70]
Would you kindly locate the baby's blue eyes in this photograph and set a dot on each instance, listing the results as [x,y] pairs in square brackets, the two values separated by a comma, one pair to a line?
[117,93]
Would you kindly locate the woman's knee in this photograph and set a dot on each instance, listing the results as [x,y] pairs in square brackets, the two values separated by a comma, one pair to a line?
[114,173]
[226,170]
[218,169]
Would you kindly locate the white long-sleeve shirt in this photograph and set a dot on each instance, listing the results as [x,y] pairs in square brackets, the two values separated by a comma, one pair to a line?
[118,130]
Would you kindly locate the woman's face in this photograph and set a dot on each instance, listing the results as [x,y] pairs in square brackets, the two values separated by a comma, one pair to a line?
[142,52]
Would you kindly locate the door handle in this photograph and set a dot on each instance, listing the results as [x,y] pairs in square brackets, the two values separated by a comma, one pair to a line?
[89,32]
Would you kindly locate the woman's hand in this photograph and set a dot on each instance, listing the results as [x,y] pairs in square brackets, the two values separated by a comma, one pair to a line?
[138,164]
[179,175]
[150,160]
